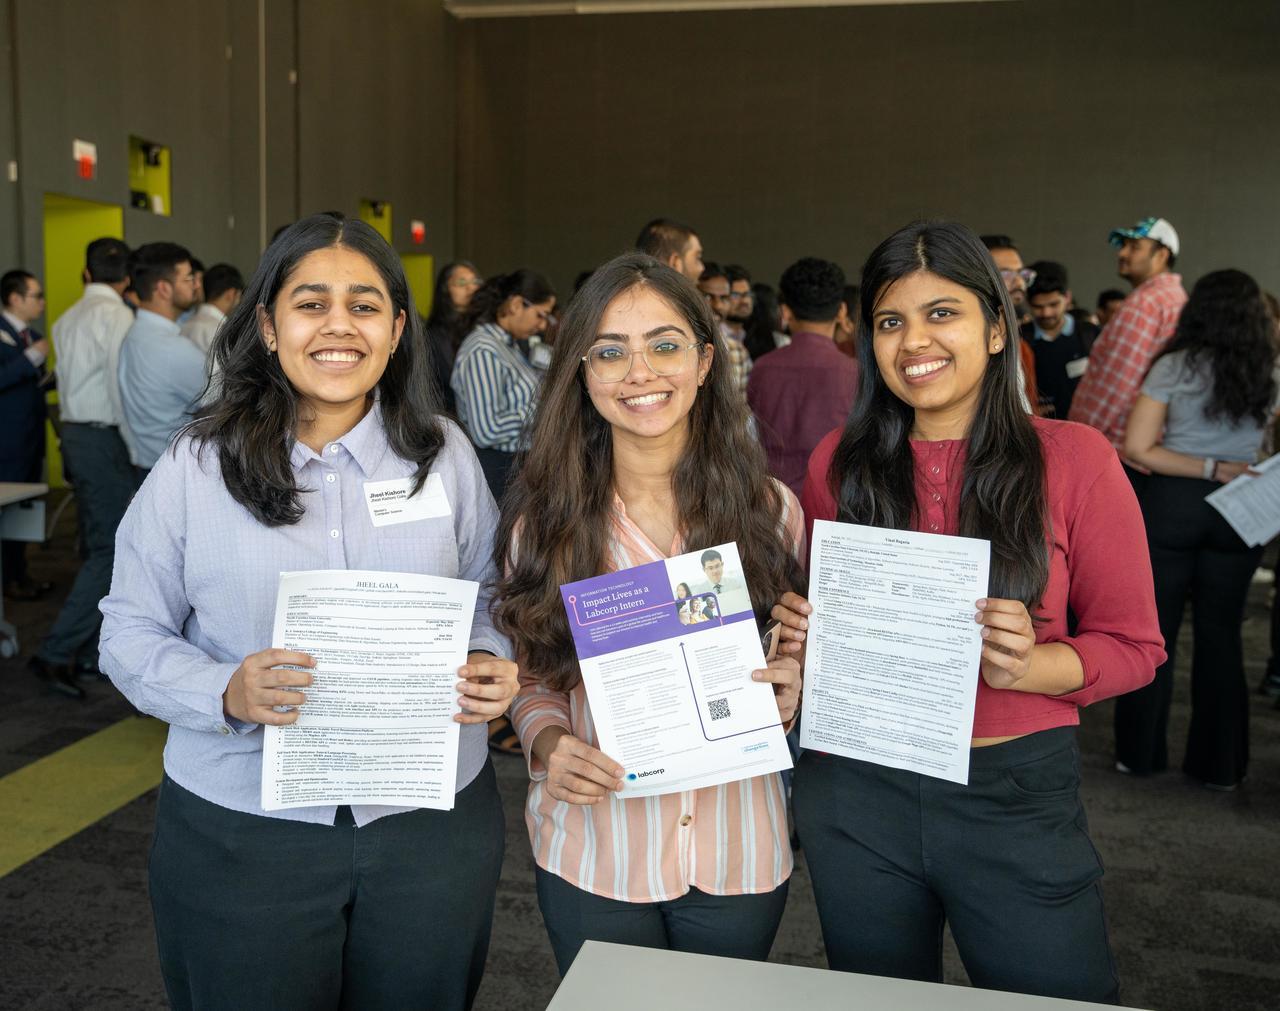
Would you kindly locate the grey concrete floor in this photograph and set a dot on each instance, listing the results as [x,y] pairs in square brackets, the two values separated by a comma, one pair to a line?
[1192,884]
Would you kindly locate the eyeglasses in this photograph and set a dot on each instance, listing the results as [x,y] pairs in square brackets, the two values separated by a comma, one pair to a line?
[464,282]
[665,356]
[1026,273]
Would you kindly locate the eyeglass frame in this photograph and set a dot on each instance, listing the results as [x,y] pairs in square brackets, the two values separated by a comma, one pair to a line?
[631,358]
[1026,273]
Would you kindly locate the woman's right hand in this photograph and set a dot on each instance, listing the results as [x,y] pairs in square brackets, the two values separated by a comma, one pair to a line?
[793,612]
[576,772]
[1227,471]
[256,687]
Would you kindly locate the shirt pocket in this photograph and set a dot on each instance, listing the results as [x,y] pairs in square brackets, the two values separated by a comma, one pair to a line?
[429,547]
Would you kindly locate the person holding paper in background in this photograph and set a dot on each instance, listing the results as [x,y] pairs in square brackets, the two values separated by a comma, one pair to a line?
[326,385]
[938,442]
[640,451]
[1198,424]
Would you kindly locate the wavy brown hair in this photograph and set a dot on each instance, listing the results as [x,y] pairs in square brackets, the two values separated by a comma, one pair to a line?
[557,513]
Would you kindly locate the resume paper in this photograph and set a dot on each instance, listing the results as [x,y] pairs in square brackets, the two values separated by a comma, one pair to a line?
[1251,503]
[892,667]
[666,661]
[377,726]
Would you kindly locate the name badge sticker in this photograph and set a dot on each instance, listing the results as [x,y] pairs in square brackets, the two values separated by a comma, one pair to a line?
[1077,368]
[390,501]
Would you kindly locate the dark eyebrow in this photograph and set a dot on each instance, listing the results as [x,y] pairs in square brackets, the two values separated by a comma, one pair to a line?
[324,289]
[927,305]
[657,331]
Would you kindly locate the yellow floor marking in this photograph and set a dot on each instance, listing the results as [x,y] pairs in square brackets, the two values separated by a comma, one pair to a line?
[55,797]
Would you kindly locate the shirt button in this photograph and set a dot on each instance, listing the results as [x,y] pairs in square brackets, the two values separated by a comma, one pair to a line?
[333,477]
[686,820]
[935,470]
[936,496]
[933,526]
[224,729]
[334,533]
[333,450]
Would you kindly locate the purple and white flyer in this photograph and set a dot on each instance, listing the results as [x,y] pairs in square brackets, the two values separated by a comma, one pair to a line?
[666,651]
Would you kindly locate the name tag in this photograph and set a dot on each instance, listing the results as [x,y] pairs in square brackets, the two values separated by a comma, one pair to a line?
[390,502]
[1076,368]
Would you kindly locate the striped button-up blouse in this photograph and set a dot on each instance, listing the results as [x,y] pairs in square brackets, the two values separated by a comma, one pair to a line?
[725,840]
[495,388]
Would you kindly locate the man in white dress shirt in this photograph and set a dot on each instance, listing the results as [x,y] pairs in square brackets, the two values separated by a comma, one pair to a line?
[223,286]
[87,338]
[730,590]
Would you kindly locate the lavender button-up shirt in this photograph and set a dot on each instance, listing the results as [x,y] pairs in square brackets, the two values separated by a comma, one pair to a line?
[194,591]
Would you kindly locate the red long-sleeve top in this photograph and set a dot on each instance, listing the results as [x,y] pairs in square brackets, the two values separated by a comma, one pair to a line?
[1099,567]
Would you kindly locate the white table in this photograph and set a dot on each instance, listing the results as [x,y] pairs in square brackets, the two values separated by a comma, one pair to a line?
[623,978]
[21,519]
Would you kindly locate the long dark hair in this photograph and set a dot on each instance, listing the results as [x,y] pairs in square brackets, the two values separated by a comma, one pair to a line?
[1002,497]
[765,321]
[559,506]
[1226,323]
[445,324]
[253,421]
[493,294]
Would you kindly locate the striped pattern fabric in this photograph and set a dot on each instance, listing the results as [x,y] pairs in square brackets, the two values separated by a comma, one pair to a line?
[1122,355]
[725,840]
[495,387]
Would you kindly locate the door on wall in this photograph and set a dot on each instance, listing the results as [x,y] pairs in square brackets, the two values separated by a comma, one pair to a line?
[418,272]
[70,224]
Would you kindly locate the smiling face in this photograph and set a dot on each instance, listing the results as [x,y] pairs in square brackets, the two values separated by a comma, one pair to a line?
[932,345]
[333,327]
[1050,310]
[645,405]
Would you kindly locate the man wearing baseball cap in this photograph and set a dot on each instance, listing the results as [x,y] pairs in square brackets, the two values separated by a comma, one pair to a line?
[1136,334]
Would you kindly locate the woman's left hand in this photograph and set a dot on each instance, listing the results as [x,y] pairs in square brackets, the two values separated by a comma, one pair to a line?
[784,674]
[487,687]
[1008,639]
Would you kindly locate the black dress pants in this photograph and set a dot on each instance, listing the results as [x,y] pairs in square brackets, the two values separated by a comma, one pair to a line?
[256,912]
[732,926]
[1006,860]
[1194,552]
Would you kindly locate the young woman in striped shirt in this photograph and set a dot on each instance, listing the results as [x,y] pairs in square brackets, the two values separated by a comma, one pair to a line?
[495,377]
[640,451]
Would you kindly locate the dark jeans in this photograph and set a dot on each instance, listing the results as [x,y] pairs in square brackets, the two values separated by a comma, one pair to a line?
[256,912]
[735,926]
[98,462]
[1194,552]
[1006,860]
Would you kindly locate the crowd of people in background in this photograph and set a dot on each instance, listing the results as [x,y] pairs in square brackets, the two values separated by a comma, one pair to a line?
[1184,389]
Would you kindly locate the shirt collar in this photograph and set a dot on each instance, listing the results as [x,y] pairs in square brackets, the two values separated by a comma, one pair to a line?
[366,444]
[156,321]
[97,289]
[212,312]
[17,324]
[1068,328]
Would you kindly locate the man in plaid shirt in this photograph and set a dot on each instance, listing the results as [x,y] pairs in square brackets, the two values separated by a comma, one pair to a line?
[1136,334]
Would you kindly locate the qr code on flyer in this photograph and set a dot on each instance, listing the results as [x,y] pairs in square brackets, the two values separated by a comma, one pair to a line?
[719,709]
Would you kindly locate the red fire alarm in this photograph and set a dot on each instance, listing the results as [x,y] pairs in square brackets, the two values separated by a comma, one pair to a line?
[86,158]
[418,230]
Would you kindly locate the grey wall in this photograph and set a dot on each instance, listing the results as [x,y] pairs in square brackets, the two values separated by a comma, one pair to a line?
[370,115]
[784,133]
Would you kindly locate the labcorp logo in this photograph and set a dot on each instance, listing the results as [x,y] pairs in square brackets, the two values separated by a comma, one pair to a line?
[646,772]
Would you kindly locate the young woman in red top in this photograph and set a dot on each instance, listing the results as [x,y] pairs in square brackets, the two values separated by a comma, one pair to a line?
[938,441]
